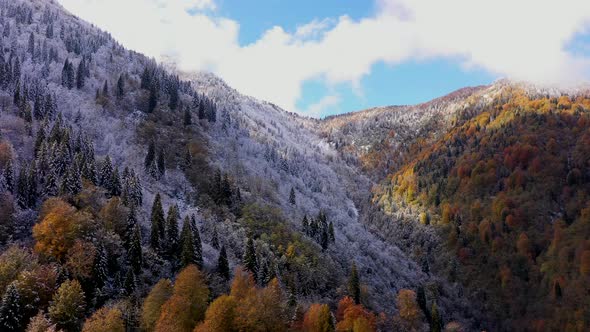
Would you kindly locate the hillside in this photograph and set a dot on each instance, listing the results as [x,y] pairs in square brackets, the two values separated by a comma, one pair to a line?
[507,190]
[119,175]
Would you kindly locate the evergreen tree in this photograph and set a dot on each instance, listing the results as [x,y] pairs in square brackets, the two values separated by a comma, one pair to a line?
[161,163]
[22,189]
[215,239]
[39,140]
[105,176]
[9,176]
[11,309]
[130,283]
[187,245]
[72,181]
[121,87]
[331,235]
[172,231]
[198,246]
[188,117]
[100,270]
[436,323]
[354,285]
[250,261]
[157,224]
[187,160]
[130,227]
[223,264]
[153,100]
[292,196]
[421,300]
[173,102]
[116,189]
[324,239]
[226,191]
[80,75]
[105,89]
[50,186]
[134,254]
[305,225]
[150,156]
[201,110]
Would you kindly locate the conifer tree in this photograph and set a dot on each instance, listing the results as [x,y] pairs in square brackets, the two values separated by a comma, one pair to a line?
[172,231]
[215,239]
[11,309]
[153,100]
[134,254]
[354,286]
[436,323]
[161,163]
[105,176]
[305,225]
[250,261]
[121,87]
[292,196]
[150,156]
[130,227]
[9,176]
[187,245]
[157,224]
[22,188]
[130,282]
[223,264]
[198,246]
[105,89]
[188,117]
[116,189]
[100,267]
[187,160]
[331,235]
[80,75]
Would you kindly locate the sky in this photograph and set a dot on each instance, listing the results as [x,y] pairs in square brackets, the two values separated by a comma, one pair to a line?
[319,58]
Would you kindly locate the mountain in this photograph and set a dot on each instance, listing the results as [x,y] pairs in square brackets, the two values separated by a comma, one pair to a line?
[132,195]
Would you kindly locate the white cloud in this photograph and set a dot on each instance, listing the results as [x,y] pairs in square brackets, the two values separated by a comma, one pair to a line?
[322,105]
[522,39]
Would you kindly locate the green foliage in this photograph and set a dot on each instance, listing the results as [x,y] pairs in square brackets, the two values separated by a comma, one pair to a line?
[68,306]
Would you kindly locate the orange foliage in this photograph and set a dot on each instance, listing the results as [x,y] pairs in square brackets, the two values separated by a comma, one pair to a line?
[318,319]
[61,224]
[353,317]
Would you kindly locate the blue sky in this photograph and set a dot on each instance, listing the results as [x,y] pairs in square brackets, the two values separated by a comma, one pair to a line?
[333,56]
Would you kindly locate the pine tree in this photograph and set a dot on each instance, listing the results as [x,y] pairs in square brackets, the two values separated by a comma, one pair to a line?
[188,117]
[215,239]
[153,100]
[354,286]
[421,300]
[22,189]
[115,189]
[134,253]
[223,264]
[305,225]
[105,89]
[11,309]
[72,181]
[121,87]
[105,176]
[161,163]
[331,235]
[9,176]
[173,102]
[436,324]
[150,156]
[197,241]
[100,269]
[292,196]
[80,75]
[130,227]
[130,283]
[226,193]
[172,231]
[187,245]
[157,224]
[187,160]
[250,262]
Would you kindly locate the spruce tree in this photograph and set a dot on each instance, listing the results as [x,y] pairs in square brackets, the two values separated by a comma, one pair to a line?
[421,299]
[305,225]
[187,245]
[198,246]
[22,189]
[187,118]
[116,188]
[215,239]
[121,87]
[223,264]
[105,176]
[130,283]
[153,100]
[161,163]
[80,75]
[436,323]
[331,235]
[157,224]
[172,231]
[9,176]
[134,254]
[150,156]
[292,196]
[354,285]
[129,227]
[11,309]
[250,261]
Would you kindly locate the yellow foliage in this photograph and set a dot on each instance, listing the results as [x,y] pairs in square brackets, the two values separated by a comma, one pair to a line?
[105,319]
